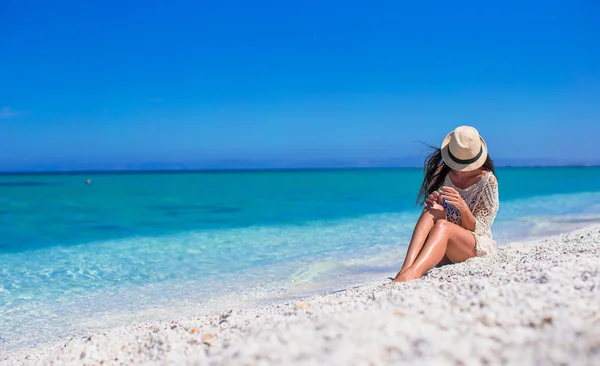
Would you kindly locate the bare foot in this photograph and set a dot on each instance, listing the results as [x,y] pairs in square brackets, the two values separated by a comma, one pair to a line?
[406,275]
[401,271]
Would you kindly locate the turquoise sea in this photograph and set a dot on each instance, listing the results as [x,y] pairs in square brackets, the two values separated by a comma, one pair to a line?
[76,258]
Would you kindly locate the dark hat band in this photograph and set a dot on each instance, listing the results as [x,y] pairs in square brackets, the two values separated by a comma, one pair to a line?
[465,161]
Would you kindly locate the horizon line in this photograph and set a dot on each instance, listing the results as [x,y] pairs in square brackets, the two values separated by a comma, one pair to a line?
[253,170]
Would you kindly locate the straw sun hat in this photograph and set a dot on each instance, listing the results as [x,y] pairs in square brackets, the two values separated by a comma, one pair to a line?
[464,150]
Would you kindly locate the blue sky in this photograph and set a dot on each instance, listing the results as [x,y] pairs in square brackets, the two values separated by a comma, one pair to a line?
[112,84]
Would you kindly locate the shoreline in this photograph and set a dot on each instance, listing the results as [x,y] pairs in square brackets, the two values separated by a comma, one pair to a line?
[531,303]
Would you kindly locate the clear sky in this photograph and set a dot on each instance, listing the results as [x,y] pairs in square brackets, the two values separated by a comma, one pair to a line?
[115,83]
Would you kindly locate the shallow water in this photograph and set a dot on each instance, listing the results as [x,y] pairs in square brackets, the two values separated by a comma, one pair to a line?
[140,247]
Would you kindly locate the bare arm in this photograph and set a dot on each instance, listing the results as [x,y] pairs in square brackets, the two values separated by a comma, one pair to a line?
[483,213]
[451,196]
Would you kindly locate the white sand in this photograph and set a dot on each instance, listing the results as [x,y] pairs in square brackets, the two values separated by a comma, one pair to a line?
[531,304]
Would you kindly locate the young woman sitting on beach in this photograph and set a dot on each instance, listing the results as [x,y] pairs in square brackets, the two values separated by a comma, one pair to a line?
[460,193]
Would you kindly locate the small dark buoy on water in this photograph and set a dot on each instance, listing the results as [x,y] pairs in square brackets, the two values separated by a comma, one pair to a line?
[88,181]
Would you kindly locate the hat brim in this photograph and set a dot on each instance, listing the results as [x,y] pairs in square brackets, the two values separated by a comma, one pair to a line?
[463,167]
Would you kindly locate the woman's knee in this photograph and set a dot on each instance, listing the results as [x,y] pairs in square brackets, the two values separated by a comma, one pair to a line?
[435,213]
[441,226]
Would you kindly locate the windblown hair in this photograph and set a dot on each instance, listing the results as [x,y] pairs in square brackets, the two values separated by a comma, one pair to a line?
[436,170]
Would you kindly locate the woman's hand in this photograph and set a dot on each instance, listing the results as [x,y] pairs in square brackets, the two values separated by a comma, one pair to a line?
[433,199]
[452,197]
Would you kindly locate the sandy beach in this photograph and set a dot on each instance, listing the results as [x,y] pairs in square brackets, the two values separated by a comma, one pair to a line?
[530,304]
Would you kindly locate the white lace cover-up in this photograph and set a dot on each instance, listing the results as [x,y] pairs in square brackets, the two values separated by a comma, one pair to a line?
[482,199]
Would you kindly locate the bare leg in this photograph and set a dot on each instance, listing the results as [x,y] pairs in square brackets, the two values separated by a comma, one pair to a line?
[424,225]
[445,261]
[445,240]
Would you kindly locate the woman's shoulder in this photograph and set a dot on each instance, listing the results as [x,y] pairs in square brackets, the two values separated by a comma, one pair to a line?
[491,178]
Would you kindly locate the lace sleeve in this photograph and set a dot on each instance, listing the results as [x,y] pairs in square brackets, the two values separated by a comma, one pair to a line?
[487,206]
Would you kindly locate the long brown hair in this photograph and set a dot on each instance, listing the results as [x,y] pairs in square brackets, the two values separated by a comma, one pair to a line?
[436,170]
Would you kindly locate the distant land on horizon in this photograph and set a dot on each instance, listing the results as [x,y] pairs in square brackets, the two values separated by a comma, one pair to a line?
[260,164]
